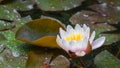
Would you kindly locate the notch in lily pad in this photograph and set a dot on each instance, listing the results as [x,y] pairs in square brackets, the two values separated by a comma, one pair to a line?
[41,32]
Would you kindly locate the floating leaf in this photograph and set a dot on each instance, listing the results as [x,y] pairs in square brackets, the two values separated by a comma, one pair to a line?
[111,3]
[41,32]
[42,57]
[5,25]
[106,60]
[60,62]
[8,61]
[106,13]
[9,11]
[58,5]
[10,41]
[36,59]
[89,17]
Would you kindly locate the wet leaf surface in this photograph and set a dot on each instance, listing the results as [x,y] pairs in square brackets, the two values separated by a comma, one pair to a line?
[10,41]
[58,5]
[106,60]
[41,32]
[9,11]
[6,25]
[9,61]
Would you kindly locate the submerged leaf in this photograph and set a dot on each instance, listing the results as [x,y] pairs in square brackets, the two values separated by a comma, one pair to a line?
[44,57]
[41,32]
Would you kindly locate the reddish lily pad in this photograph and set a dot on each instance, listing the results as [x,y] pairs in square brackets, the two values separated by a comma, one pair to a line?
[41,32]
[89,18]
[58,5]
[107,13]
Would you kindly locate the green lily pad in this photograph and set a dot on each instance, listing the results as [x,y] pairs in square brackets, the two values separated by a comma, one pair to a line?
[4,25]
[9,11]
[58,5]
[8,61]
[106,60]
[10,41]
[41,32]
[21,5]
[89,18]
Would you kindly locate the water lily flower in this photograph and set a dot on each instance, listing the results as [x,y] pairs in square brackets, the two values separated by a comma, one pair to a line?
[78,40]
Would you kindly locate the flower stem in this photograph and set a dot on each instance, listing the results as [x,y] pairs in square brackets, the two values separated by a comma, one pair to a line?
[82,63]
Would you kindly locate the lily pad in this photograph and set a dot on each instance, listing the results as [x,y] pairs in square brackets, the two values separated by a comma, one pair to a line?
[42,57]
[60,62]
[5,25]
[90,18]
[106,60]
[107,13]
[10,41]
[41,32]
[111,3]
[58,5]
[9,61]
[36,59]
[9,11]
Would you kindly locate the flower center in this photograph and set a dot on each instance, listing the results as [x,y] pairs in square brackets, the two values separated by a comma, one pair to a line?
[74,36]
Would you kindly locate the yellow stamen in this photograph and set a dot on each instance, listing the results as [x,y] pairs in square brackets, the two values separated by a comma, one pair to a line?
[75,37]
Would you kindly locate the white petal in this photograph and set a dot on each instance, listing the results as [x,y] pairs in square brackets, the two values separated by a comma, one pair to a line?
[69,27]
[84,43]
[85,26]
[86,30]
[98,43]
[62,33]
[65,45]
[59,41]
[80,53]
[77,27]
[92,37]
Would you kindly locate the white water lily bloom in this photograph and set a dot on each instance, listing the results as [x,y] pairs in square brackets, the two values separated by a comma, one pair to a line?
[78,40]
